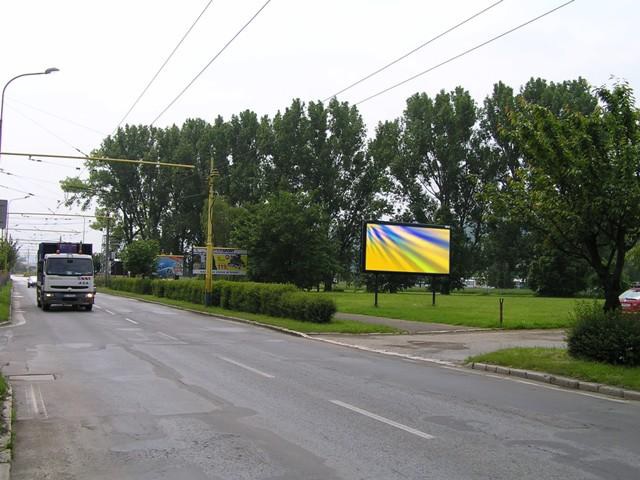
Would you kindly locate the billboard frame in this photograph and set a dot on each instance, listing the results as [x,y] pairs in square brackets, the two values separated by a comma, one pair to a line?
[363,247]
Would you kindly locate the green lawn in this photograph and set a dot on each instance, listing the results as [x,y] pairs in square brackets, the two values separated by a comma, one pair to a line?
[556,361]
[5,301]
[335,326]
[471,310]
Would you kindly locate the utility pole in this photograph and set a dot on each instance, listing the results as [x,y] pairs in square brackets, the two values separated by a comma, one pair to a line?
[107,255]
[208,279]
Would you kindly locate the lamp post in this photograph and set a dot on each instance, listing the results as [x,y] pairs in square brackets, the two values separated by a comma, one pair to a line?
[46,72]
[6,228]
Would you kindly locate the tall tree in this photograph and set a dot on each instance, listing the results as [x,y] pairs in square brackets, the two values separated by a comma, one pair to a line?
[580,186]
[286,240]
[440,169]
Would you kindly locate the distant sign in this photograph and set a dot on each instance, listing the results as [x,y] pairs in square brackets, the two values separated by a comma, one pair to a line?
[3,214]
[226,261]
[169,266]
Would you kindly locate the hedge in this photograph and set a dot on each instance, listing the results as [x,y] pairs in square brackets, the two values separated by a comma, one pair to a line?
[612,337]
[266,298]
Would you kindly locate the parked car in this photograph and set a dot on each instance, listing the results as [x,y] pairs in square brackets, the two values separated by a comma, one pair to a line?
[31,282]
[630,300]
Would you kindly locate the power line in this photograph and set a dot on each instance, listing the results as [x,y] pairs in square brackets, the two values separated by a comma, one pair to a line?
[37,124]
[163,65]
[449,30]
[72,122]
[455,57]
[211,61]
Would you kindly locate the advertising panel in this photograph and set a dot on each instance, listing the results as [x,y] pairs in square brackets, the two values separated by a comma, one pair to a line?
[405,248]
[169,266]
[226,261]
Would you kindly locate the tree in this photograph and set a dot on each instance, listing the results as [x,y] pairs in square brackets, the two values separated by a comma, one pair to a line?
[439,170]
[580,186]
[8,254]
[286,237]
[139,257]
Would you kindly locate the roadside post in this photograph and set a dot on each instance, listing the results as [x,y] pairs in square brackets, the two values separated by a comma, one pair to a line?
[501,310]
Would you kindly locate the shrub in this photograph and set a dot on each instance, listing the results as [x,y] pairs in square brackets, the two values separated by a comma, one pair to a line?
[611,337]
[271,299]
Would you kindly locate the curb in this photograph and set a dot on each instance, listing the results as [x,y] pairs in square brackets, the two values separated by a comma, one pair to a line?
[5,438]
[559,381]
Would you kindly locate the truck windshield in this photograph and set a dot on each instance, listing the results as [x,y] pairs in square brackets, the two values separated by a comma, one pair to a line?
[69,266]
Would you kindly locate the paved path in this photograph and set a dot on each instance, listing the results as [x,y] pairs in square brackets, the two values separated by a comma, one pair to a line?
[453,347]
[406,325]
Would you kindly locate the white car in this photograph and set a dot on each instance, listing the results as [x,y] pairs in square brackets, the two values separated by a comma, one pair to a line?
[31,282]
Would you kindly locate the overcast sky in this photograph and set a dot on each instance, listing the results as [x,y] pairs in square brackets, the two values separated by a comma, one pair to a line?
[108,51]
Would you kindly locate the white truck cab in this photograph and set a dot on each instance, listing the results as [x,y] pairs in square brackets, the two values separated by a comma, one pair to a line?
[65,279]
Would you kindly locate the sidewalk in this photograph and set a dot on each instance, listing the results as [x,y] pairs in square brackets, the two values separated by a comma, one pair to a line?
[445,343]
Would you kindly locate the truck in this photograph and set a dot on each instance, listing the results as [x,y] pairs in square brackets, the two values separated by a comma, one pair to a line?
[65,275]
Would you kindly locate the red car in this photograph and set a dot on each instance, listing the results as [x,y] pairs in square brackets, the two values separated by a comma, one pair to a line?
[630,300]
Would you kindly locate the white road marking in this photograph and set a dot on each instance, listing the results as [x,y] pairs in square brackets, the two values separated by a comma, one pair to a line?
[366,413]
[165,335]
[44,407]
[109,312]
[97,306]
[36,401]
[131,321]
[246,367]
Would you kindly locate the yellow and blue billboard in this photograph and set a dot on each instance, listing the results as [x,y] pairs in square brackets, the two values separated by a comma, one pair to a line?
[405,248]
[226,261]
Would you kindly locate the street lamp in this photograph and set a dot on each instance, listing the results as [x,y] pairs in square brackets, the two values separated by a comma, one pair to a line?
[46,72]
[6,227]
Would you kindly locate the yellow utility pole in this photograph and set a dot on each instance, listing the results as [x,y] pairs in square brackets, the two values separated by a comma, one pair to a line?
[208,279]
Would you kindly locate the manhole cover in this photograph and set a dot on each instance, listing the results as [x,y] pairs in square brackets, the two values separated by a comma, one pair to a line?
[33,377]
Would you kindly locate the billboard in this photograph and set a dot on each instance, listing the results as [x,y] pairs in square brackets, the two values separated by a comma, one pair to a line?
[405,248]
[169,266]
[226,261]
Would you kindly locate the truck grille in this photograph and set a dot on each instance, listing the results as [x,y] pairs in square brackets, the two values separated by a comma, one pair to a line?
[72,287]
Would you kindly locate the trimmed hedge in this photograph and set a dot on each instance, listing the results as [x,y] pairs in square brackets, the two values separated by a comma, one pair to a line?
[612,337]
[266,298]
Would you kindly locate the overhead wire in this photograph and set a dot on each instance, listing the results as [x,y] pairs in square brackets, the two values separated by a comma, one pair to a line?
[411,52]
[144,90]
[462,54]
[39,125]
[211,61]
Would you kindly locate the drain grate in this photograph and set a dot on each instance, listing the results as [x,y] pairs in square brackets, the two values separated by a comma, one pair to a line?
[33,377]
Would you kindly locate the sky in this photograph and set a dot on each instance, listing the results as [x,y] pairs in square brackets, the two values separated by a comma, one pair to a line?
[107,52]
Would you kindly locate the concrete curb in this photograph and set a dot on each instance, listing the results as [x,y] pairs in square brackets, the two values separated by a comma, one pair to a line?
[5,438]
[559,381]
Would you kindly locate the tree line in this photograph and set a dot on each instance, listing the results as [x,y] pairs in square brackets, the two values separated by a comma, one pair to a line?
[537,184]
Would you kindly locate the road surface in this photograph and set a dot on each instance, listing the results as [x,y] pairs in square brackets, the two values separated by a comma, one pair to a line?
[140,391]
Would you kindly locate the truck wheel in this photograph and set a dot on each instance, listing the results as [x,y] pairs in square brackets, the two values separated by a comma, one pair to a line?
[89,307]
[38,302]
[45,306]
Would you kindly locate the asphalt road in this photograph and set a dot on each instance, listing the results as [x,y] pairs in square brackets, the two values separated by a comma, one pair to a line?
[140,391]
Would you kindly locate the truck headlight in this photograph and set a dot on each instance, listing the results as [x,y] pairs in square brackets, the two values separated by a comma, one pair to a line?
[48,295]
[89,295]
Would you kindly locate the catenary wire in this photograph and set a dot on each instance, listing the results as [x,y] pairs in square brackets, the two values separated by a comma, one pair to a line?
[144,90]
[462,54]
[211,61]
[431,40]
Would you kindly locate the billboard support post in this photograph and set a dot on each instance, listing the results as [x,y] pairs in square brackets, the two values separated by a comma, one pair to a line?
[375,290]
[433,292]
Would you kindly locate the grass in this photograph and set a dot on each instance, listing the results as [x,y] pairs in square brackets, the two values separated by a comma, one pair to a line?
[5,301]
[470,310]
[557,361]
[335,326]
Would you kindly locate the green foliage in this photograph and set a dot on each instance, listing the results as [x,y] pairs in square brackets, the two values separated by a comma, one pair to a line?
[5,301]
[139,257]
[605,336]
[8,254]
[287,241]
[580,187]
[270,299]
[555,274]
